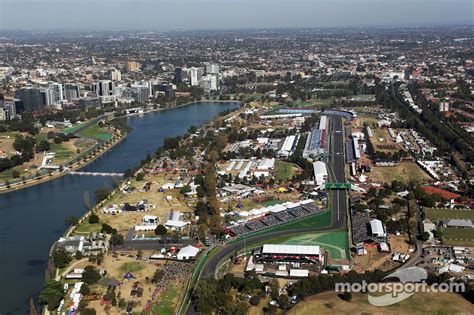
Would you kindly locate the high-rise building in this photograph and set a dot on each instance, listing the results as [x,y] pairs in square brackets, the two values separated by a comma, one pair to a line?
[209,83]
[31,98]
[142,93]
[178,75]
[132,66]
[212,68]
[90,102]
[103,88]
[72,91]
[115,75]
[195,75]
[57,92]
[165,88]
[9,106]
[48,97]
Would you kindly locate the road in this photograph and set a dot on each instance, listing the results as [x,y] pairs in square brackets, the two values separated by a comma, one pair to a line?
[335,162]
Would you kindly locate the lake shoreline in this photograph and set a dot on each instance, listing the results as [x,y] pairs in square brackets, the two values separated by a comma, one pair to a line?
[84,162]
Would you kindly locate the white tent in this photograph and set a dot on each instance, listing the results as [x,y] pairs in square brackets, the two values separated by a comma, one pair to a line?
[188,252]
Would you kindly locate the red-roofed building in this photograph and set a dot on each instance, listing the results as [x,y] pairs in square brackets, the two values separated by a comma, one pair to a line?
[430,190]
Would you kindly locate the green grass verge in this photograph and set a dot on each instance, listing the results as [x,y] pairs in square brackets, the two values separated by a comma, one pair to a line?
[166,302]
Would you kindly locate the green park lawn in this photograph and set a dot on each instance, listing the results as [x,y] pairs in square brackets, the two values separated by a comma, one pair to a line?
[94,132]
[284,171]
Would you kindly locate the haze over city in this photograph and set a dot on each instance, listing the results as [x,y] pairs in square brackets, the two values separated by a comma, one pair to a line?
[228,14]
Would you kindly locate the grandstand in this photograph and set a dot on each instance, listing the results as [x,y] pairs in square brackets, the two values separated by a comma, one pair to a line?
[359,225]
[261,219]
[314,143]
[279,253]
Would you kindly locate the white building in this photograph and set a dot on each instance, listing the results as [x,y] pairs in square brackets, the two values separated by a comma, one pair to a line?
[116,75]
[320,173]
[195,76]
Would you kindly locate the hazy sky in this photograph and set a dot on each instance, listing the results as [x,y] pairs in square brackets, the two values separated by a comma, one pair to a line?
[228,14]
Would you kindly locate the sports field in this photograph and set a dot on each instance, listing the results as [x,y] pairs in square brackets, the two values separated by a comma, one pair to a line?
[439,214]
[459,236]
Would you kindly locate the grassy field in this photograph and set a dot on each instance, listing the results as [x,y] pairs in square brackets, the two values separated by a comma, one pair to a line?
[435,214]
[335,242]
[166,303]
[62,153]
[405,172]
[86,228]
[459,236]
[420,303]
[93,131]
[131,267]
[284,171]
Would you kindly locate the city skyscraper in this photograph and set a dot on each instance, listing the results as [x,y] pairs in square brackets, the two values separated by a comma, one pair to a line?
[116,75]
[31,98]
[178,75]
[103,88]
[72,91]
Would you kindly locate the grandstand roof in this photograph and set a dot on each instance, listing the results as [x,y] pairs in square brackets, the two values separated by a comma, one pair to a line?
[291,249]
[320,168]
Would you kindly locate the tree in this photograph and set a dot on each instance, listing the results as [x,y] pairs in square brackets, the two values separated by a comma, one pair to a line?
[90,275]
[71,220]
[185,189]
[15,174]
[78,255]
[93,218]
[88,311]
[426,236]
[61,258]
[161,230]
[43,145]
[117,239]
[284,301]
[157,276]
[140,176]
[107,229]
[85,289]
[52,294]
[346,296]
[101,194]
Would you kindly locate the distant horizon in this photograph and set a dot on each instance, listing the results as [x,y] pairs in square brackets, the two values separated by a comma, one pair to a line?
[202,15]
[349,27]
